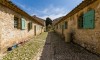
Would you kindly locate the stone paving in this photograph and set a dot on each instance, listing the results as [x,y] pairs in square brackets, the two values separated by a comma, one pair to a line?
[56,49]
[51,48]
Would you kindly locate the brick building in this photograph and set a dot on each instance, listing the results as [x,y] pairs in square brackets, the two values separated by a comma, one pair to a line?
[81,25]
[16,25]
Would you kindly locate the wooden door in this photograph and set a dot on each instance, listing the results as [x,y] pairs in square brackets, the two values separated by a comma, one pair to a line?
[35,30]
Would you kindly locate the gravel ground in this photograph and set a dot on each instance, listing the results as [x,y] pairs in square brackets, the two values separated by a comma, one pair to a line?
[56,49]
[27,51]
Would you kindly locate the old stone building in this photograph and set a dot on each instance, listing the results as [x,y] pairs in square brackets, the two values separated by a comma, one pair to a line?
[81,25]
[40,20]
[16,26]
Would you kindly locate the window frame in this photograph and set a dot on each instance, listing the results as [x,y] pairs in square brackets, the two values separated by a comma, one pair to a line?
[16,22]
[80,21]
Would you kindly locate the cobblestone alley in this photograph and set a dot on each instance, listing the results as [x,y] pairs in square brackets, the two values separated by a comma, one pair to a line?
[50,48]
[50,30]
[56,49]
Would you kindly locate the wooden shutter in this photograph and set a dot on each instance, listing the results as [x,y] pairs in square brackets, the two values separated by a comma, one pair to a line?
[89,20]
[23,23]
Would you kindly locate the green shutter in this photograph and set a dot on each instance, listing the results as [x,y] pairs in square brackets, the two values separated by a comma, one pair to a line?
[23,23]
[89,20]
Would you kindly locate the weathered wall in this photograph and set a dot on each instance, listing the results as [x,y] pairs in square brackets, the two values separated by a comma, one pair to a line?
[38,29]
[88,38]
[0,35]
[59,30]
[10,35]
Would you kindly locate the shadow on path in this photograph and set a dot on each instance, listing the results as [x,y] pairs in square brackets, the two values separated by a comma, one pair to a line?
[56,49]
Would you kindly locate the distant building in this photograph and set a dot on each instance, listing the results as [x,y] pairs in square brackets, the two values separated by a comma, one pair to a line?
[40,20]
[56,20]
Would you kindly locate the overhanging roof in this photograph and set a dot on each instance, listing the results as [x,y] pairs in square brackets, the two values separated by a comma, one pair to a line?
[15,8]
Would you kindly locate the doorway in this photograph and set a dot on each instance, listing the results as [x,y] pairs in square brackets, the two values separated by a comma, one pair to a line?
[35,30]
[62,29]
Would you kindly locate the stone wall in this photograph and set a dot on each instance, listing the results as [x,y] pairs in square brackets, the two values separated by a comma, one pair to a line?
[88,38]
[10,35]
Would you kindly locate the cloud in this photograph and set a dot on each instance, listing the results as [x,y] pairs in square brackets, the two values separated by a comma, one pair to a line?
[52,12]
[53,16]
[29,10]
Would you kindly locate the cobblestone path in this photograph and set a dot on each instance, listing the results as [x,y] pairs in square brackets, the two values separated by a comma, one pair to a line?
[50,48]
[56,49]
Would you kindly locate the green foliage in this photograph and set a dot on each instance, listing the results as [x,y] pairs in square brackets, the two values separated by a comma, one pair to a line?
[48,21]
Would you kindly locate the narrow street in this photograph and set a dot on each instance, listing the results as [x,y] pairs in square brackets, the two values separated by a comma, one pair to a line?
[56,49]
[50,47]
[50,30]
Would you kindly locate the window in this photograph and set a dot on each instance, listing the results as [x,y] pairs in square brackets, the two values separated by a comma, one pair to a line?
[65,25]
[16,21]
[80,21]
[29,26]
[23,23]
[89,20]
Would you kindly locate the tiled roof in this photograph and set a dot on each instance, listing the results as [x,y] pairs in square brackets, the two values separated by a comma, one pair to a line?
[57,19]
[15,8]
[42,21]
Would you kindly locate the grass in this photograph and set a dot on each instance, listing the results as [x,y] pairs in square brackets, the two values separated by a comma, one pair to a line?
[28,50]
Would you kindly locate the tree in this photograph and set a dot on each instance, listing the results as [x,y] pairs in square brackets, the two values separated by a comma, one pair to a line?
[48,21]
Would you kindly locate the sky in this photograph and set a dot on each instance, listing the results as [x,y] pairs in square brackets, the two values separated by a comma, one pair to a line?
[47,8]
